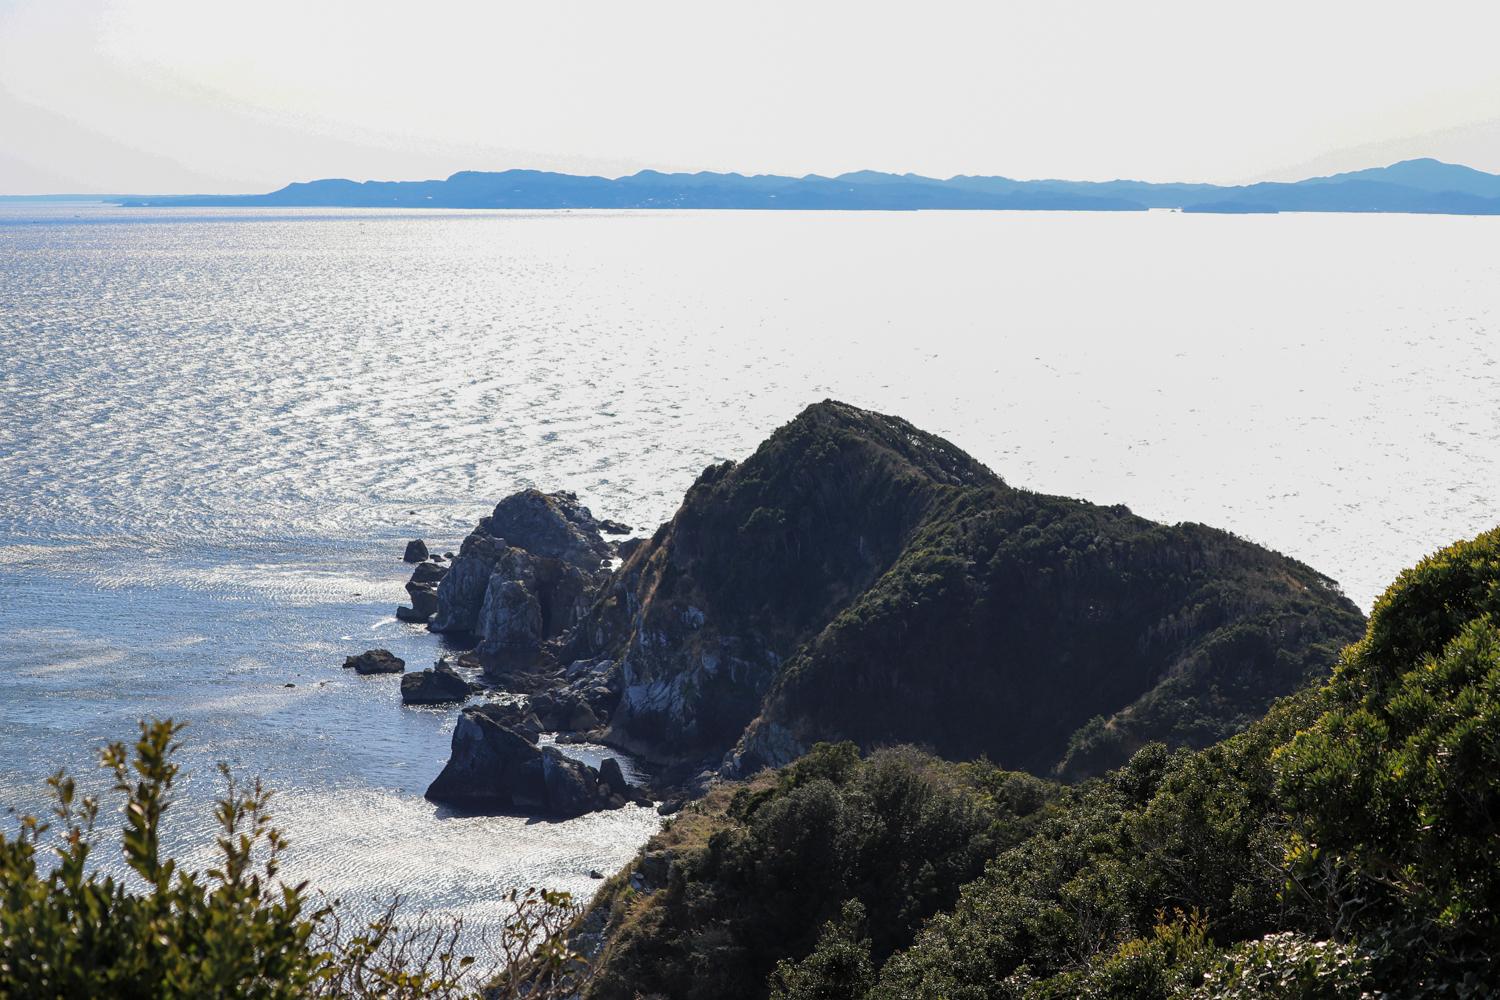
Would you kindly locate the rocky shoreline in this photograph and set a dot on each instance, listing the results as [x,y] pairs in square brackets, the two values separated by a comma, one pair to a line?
[854,579]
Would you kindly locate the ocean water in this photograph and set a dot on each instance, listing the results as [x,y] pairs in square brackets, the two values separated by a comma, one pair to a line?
[218,428]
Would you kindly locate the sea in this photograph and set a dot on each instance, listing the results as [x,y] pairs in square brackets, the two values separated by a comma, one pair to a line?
[218,428]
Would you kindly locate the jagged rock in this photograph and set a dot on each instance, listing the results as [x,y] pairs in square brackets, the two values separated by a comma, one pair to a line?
[670,807]
[548,544]
[552,526]
[495,768]
[441,685]
[375,661]
[612,777]
[609,527]
[627,548]
[518,716]
[416,551]
[405,614]
[510,618]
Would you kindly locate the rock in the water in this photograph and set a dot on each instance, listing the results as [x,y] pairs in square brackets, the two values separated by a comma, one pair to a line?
[416,551]
[609,527]
[375,661]
[411,615]
[491,768]
[612,777]
[494,768]
[441,685]
[520,718]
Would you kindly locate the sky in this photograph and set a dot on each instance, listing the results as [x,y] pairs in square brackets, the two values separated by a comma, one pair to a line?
[187,96]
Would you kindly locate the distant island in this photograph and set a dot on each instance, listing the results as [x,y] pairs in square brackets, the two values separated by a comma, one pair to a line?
[1422,186]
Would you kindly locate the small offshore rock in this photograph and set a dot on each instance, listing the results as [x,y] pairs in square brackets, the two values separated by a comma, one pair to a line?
[608,527]
[416,551]
[442,685]
[595,873]
[288,684]
[411,615]
[375,661]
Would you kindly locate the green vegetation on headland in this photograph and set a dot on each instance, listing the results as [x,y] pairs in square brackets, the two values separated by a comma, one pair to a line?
[857,578]
[1347,845]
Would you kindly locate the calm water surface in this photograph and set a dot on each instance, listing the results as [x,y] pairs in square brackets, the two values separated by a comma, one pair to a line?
[218,428]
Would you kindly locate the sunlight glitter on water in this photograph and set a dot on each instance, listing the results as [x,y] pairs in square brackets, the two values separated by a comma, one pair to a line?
[218,428]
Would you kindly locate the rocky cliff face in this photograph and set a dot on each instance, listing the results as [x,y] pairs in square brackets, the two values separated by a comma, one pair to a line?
[526,574]
[857,578]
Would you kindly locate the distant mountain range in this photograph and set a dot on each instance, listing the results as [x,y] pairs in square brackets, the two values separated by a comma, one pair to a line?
[1423,186]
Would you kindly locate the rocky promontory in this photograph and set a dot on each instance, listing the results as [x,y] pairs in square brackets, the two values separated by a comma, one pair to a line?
[859,579]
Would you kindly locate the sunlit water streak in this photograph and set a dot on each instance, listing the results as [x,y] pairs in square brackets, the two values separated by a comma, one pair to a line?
[218,428]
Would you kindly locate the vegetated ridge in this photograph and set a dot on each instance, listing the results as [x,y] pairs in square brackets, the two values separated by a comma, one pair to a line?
[859,579]
[1345,847]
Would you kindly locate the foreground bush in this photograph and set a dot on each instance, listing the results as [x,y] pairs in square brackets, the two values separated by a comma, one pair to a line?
[236,930]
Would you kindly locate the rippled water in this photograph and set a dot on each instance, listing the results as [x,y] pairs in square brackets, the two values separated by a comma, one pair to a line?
[218,428]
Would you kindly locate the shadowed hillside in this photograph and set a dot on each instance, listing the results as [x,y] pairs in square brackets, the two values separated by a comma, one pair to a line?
[857,578]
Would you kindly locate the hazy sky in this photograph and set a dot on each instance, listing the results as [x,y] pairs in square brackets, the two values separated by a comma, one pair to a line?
[225,96]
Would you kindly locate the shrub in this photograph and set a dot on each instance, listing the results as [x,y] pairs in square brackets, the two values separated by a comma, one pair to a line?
[235,930]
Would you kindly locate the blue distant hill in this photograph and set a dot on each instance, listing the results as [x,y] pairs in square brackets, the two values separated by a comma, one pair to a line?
[1422,186]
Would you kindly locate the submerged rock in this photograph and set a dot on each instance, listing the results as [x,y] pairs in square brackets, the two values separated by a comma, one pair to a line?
[416,551]
[375,661]
[441,685]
